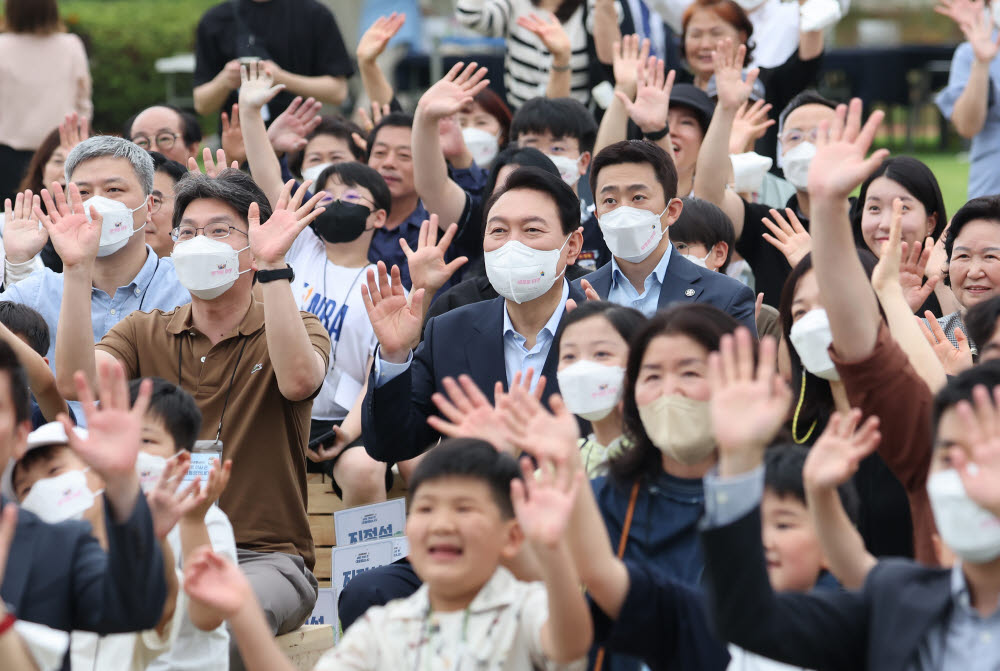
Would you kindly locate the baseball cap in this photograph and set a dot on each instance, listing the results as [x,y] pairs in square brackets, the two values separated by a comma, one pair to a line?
[52,433]
[693,98]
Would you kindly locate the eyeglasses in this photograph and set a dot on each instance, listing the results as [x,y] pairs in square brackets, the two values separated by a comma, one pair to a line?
[213,231]
[163,140]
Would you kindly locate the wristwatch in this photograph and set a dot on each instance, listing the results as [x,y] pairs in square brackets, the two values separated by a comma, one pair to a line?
[265,276]
[658,134]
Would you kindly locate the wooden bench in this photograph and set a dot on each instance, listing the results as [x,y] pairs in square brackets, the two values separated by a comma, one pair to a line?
[306,645]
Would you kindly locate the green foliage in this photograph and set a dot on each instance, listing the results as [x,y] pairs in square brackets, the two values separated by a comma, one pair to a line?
[123,39]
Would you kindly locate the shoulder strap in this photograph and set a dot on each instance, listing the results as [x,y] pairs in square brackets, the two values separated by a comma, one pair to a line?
[622,542]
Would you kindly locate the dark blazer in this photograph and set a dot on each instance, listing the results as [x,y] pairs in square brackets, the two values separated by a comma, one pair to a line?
[467,340]
[684,278]
[58,575]
[879,628]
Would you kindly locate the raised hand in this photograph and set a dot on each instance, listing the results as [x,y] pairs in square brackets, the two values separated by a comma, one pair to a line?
[628,64]
[552,436]
[270,242]
[835,456]
[230,74]
[428,269]
[368,123]
[232,136]
[954,359]
[733,89]
[72,131]
[212,167]
[589,291]
[373,42]
[257,86]
[168,502]
[960,11]
[216,583]
[549,30]
[218,479]
[841,162]
[748,406]
[23,237]
[467,413]
[114,430]
[395,320]
[544,503]
[652,99]
[789,237]
[979,465]
[909,274]
[452,143]
[75,237]
[453,92]
[288,132]
[977,26]
[750,124]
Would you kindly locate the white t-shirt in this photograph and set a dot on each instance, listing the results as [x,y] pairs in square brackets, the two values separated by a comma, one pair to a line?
[195,649]
[333,293]
[743,660]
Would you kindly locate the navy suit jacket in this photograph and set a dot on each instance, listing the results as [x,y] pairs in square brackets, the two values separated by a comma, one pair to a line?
[58,575]
[467,340]
[879,628]
[685,282]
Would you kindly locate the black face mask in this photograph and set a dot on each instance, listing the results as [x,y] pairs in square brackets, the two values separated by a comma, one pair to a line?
[342,221]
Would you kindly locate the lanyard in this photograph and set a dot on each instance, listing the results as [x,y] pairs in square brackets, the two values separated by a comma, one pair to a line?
[232,378]
[146,290]
[347,297]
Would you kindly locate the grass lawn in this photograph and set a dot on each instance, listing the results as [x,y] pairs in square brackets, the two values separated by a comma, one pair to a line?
[952,172]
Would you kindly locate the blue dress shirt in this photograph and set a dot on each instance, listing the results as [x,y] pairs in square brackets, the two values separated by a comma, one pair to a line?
[623,293]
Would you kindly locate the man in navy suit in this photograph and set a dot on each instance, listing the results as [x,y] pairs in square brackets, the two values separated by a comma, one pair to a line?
[57,574]
[531,234]
[635,186]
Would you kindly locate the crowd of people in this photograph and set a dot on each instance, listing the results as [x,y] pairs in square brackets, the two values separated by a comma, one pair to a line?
[678,370]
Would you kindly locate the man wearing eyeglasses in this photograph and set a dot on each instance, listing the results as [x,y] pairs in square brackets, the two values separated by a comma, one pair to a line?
[126,275]
[166,129]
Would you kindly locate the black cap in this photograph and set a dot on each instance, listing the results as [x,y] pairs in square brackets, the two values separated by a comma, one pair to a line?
[693,98]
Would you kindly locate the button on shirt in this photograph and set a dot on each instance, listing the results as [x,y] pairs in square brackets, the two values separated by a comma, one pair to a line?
[517,357]
[155,287]
[623,293]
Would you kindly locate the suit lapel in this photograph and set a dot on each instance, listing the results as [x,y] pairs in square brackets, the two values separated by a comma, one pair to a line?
[484,355]
[920,605]
[600,279]
[681,283]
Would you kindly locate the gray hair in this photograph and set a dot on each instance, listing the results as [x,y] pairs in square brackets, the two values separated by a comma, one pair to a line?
[115,147]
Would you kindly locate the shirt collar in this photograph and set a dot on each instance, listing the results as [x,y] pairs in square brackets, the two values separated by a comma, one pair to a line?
[497,592]
[146,273]
[551,326]
[659,272]
[253,321]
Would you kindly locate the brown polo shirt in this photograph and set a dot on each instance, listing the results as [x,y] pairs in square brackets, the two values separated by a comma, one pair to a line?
[264,433]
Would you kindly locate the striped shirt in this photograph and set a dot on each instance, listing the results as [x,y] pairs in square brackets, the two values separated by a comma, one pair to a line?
[527,61]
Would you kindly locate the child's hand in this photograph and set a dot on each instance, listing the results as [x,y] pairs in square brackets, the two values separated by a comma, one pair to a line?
[543,504]
[167,502]
[218,478]
[215,583]
[547,436]
[836,455]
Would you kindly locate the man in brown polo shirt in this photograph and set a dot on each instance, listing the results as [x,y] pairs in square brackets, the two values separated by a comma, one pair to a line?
[253,365]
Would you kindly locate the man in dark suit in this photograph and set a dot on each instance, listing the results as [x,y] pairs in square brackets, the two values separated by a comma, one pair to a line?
[635,186]
[907,617]
[57,574]
[532,233]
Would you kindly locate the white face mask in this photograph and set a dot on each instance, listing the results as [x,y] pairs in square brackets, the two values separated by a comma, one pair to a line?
[483,146]
[569,168]
[206,267]
[591,390]
[811,338]
[631,233]
[521,273]
[150,468]
[116,226]
[680,427]
[314,172]
[748,5]
[969,531]
[795,163]
[64,497]
[698,260]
